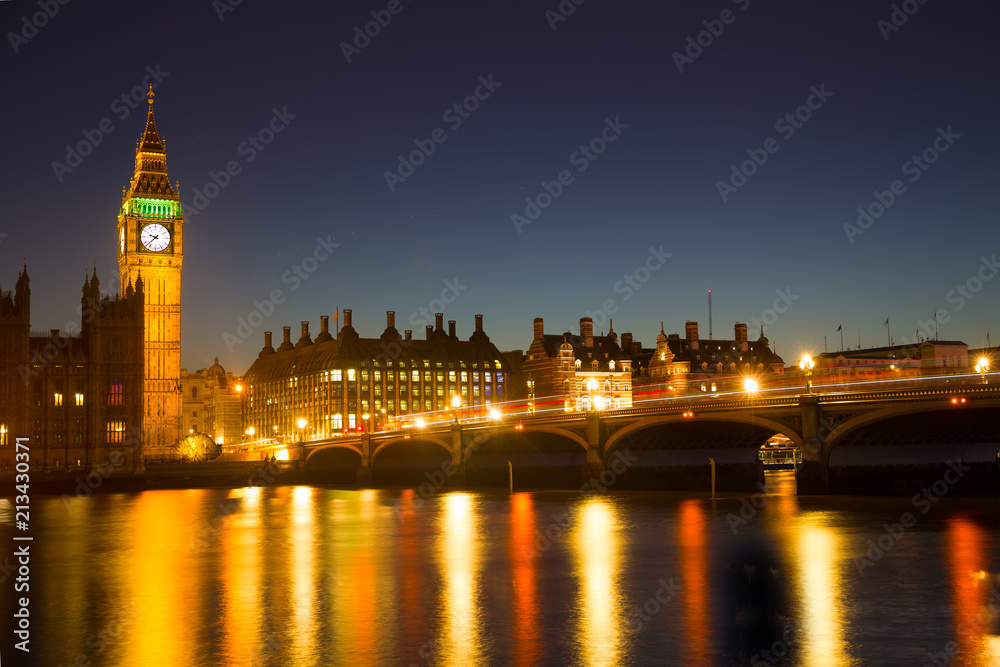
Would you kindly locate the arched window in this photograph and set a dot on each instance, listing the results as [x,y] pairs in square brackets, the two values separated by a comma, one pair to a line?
[611,365]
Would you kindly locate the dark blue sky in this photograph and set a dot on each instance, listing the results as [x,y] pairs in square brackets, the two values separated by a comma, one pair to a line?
[778,239]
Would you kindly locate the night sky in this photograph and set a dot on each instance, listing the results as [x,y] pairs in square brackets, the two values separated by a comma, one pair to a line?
[879,97]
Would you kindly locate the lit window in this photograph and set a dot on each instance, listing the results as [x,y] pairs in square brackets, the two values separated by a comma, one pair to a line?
[350,375]
[57,399]
[338,376]
[79,399]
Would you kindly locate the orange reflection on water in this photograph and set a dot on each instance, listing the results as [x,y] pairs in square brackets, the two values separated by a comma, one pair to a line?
[601,613]
[461,642]
[164,578]
[521,550]
[241,576]
[411,581]
[819,553]
[693,543]
[971,588]
[302,603]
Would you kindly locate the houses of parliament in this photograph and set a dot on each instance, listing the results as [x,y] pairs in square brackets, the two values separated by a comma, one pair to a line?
[109,392]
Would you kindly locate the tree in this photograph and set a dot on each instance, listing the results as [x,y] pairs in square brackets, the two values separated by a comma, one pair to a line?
[198,447]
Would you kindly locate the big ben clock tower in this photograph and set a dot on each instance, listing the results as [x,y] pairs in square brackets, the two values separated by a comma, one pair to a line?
[150,244]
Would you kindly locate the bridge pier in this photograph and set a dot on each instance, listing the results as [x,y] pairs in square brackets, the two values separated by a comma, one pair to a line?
[595,448]
[458,458]
[363,475]
[813,477]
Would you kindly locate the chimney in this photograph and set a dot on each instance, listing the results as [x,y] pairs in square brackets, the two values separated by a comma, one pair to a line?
[409,334]
[451,330]
[479,322]
[305,339]
[347,317]
[741,336]
[438,321]
[53,333]
[627,342]
[539,328]
[267,349]
[430,330]
[324,324]
[390,319]
[587,331]
[267,339]
[286,343]
[691,334]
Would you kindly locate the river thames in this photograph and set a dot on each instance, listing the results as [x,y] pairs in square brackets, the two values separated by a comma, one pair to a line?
[302,575]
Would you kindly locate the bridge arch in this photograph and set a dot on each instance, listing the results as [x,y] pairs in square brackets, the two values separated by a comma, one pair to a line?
[529,429]
[774,425]
[383,445]
[311,452]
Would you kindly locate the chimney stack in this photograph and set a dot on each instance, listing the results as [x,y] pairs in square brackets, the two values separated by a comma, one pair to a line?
[409,334]
[324,324]
[286,342]
[390,319]
[451,329]
[479,322]
[438,321]
[305,339]
[691,333]
[430,330]
[627,342]
[741,336]
[539,328]
[267,339]
[587,331]
[347,317]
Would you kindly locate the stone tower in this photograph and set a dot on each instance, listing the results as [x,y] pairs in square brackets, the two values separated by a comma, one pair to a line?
[150,244]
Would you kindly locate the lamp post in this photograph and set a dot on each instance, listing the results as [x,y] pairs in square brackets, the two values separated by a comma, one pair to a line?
[983,367]
[456,403]
[806,363]
[250,432]
[302,424]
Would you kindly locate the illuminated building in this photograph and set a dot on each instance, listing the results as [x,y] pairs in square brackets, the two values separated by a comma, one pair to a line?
[561,366]
[331,383]
[150,244]
[211,404]
[76,395]
[692,365]
[895,362]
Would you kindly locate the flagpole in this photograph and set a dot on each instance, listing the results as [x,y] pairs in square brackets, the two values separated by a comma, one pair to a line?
[888,332]
[841,330]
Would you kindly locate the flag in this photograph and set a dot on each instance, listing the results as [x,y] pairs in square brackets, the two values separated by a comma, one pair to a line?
[886,322]
[336,314]
[840,328]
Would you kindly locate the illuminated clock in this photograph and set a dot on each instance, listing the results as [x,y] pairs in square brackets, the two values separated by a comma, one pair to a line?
[121,240]
[155,237]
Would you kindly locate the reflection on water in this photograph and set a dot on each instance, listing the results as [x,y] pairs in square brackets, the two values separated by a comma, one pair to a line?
[311,576]
[601,614]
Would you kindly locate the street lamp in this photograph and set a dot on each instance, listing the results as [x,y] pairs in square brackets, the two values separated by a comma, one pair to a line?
[365,416]
[250,432]
[302,424]
[456,403]
[596,402]
[806,363]
[750,385]
[983,367]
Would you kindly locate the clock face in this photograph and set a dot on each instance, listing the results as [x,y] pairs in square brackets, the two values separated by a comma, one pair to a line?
[121,240]
[155,237]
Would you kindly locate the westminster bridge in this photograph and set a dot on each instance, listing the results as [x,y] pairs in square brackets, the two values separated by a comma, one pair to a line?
[879,441]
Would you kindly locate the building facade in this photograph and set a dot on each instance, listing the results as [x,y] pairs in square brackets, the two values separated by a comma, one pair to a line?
[692,365]
[150,240]
[77,395]
[577,372]
[211,404]
[348,383]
